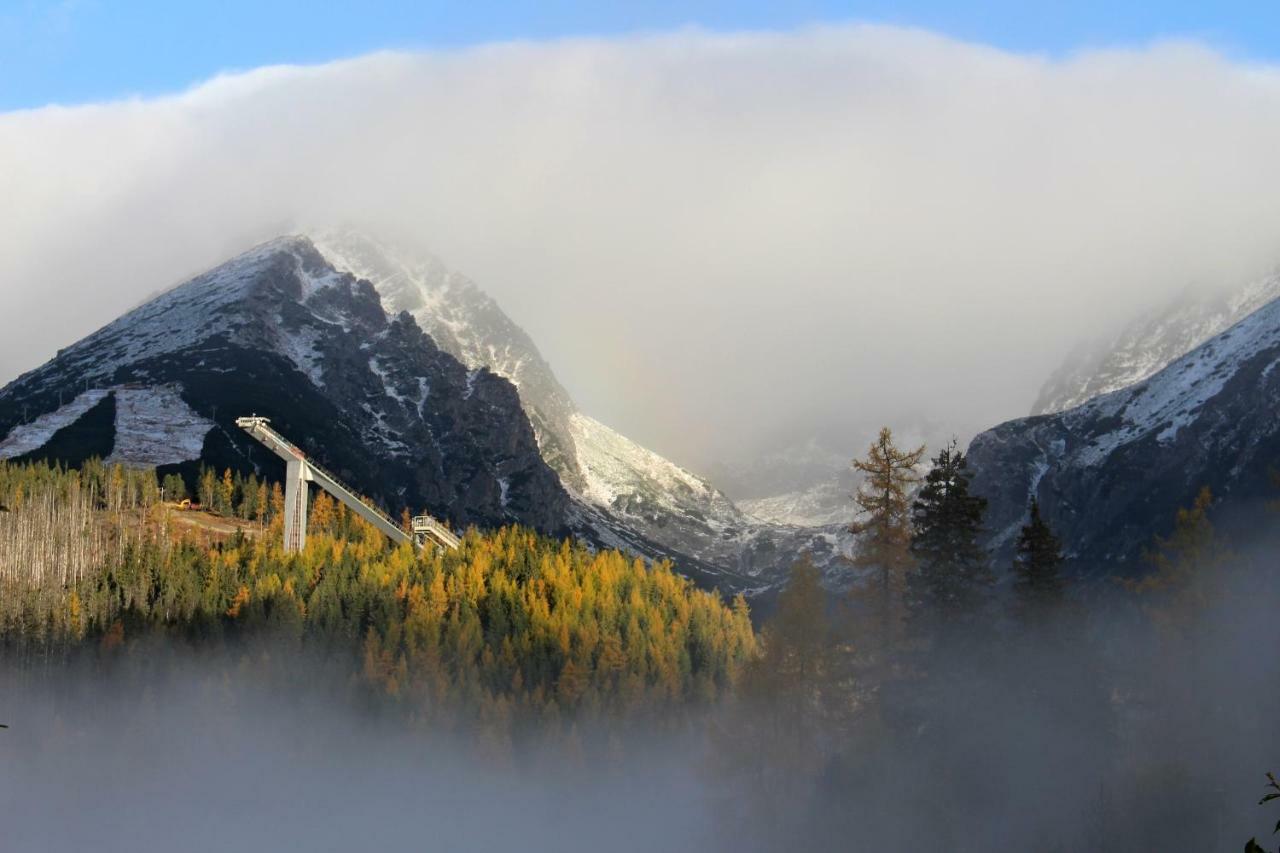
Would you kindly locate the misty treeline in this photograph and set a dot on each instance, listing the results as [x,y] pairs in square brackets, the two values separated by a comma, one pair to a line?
[947,702]
[510,629]
[943,702]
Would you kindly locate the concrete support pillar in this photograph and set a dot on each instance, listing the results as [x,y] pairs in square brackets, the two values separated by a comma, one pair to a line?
[295,505]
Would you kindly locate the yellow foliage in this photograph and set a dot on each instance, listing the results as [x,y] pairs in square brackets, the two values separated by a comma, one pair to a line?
[241,599]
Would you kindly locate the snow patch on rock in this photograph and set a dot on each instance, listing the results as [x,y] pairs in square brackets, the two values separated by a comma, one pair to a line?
[25,438]
[822,505]
[154,426]
[300,347]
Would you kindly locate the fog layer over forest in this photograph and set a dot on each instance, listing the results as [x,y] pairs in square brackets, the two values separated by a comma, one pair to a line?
[1142,722]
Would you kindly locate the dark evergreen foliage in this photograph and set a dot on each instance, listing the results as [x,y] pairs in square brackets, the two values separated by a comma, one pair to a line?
[1037,566]
[952,580]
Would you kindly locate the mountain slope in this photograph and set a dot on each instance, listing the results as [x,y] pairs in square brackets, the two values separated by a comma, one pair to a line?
[1113,471]
[626,490]
[278,331]
[1148,344]
[385,366]
[467,323]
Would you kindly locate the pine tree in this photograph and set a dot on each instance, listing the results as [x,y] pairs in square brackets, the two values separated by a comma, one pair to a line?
[952,579]
[322,514]
[208,487]
[260,504]
[1037,580]
[277,501]
[884,528]
[175,490]
[247,490]
[799,632]
[788,687]
[224,497]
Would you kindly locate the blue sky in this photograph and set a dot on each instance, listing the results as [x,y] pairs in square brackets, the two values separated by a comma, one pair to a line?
[75,51]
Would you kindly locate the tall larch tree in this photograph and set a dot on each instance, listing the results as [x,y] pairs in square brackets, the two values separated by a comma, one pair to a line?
[952,580]
[785,695]
[1187,567]
[883,526]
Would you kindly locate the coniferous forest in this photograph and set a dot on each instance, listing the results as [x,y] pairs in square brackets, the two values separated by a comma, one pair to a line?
[875,715]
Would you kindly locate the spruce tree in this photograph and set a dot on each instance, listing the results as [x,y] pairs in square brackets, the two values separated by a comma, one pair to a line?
[1038,582]
[952,580]
[884,528]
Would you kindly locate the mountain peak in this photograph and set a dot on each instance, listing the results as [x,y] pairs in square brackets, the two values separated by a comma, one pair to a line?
[279,331]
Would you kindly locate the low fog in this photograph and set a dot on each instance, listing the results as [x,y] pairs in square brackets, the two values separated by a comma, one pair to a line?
[255,749]
[1107,733]
[710,236]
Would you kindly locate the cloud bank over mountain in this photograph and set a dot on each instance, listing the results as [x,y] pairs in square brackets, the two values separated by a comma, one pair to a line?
[709,236]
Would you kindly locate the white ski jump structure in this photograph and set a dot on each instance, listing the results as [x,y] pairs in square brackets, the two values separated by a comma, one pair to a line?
[299,470]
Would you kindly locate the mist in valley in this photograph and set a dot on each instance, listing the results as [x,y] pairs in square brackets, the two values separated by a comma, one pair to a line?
[1127,721]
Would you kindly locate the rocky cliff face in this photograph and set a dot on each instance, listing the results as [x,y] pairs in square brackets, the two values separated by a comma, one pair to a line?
[467,323]
[1113,471]
[280,332]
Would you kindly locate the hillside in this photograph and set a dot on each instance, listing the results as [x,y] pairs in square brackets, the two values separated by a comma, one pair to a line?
[1111,472]
[510,620]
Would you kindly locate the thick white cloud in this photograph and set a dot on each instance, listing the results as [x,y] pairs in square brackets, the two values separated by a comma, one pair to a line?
[708,235]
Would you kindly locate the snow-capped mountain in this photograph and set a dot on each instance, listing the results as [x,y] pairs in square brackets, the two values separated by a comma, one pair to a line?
[1148,344]
[626,486]
[1111,472]
[279,332]
[467,323]
[405,380]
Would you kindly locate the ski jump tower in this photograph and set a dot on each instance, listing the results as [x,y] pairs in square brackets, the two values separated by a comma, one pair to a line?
[299,470]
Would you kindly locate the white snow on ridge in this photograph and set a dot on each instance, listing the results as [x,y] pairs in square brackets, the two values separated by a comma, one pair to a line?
[25,438]
[1173,398]
[1149,344]
[820,506]
[161,325]
[615,466]
[154,426]
[460,317]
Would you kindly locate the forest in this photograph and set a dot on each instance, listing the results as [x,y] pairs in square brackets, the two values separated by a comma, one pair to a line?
[932,705]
